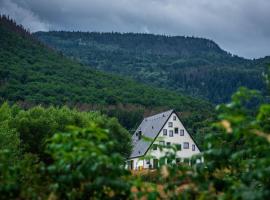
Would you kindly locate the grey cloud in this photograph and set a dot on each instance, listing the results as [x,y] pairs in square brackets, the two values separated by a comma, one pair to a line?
[239,26]
[22,16]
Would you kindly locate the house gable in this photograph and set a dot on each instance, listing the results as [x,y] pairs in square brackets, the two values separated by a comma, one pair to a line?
[174,133]
[152,128]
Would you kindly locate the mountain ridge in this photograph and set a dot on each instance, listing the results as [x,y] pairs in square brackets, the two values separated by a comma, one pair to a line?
[196,66]
[31,73]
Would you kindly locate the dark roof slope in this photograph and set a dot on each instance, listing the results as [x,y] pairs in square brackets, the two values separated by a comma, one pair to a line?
[149,127]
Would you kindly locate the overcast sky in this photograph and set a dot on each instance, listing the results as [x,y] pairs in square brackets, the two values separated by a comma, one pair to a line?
[241,27]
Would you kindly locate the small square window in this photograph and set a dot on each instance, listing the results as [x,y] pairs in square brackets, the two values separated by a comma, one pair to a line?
[193,147]
[186,145]
[170,124]
[168,143]
[182,132]
[174,118]
[178,160]
[176,130]
[171,133]
[164,131]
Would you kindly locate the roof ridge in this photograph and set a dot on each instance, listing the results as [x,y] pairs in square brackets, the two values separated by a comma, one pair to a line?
[168,111]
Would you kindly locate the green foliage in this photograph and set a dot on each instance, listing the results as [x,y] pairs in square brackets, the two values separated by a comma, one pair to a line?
[31,74]
[87,162]
[84,163]
[102,146]
[196,66]
[29,129]
[84,166]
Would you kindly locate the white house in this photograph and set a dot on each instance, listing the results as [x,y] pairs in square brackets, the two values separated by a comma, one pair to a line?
[165,129]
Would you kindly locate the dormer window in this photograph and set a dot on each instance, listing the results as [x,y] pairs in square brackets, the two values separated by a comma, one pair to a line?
[139,134]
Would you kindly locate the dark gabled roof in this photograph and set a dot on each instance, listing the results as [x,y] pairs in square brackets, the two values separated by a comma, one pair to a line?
[149,127]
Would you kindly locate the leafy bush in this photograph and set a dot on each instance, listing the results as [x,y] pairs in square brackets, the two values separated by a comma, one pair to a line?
[84,166]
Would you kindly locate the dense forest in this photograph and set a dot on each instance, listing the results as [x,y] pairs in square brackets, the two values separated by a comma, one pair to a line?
[31,74]
[59,153]
[195,66]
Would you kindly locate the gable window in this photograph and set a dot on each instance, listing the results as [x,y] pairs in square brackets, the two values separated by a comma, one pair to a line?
[168,144]
[186,145]
[178,147]
[170,124]
[182,132]
[193,147]
[171,133]
[164,131]
[176,130]
[174,118]
[154,146]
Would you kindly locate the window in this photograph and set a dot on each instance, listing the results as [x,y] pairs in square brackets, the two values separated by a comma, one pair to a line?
[178,160]
[154,146]
[164,131]
[178,147]
[193,147]
[171,133]
[174,118]
[139,134]
[182,132]
[168,143]
[176,130]
[170,124]
[161,143]
[148,162]
[186,145]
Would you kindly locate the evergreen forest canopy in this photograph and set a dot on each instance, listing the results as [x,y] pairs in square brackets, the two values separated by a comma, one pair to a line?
[195,66]
[31,74]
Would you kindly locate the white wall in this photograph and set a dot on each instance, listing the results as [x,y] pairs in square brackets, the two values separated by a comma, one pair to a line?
[176,139]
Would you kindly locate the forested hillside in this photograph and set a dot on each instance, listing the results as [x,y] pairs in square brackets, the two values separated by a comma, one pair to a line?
[196,66]
[31,73]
